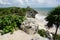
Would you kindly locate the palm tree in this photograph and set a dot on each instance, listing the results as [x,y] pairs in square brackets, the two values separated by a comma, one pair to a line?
[53,18]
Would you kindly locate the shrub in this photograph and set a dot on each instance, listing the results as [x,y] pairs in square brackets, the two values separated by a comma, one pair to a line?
[42,33]
[9,23]
[13,10]
[58,37]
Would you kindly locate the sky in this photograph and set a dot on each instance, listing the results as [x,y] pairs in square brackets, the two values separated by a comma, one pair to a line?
[31,3]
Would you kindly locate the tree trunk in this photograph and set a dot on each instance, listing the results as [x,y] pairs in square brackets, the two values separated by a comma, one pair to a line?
[54,37]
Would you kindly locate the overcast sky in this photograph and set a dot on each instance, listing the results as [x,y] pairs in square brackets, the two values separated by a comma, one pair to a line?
[31,3]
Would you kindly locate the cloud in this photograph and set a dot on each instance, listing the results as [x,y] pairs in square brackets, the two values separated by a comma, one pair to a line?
[41,1]
[32,3]
[4,2]
[50,3]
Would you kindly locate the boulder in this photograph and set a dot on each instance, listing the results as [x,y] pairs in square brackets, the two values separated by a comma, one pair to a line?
[30,26]
[31,13]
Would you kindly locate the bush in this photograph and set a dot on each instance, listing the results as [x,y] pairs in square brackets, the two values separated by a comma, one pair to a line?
[9,23]
[13,10]
[42,33]
[58,37]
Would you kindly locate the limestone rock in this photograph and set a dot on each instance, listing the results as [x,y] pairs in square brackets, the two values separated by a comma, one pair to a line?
[31,13]
[30,26]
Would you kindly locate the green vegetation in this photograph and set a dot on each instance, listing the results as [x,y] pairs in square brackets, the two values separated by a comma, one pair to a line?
[53,18]
[57,37]
[9,23]
[42,33]
[14,10]
[11,18]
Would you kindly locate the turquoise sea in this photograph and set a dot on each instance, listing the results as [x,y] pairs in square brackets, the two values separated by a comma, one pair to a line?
[43,11]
